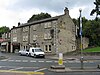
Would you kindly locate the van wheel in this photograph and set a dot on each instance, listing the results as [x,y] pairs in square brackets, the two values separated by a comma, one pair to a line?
[27,54]
[34,55]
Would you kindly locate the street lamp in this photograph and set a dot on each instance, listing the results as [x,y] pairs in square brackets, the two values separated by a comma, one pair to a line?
[81,59]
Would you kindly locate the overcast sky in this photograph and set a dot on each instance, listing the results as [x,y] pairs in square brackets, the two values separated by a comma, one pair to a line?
[14,11]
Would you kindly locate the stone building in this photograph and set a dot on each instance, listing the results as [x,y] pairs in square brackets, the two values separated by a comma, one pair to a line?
[53,35]
[5,44]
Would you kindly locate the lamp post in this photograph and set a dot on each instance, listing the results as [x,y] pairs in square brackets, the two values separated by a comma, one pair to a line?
[81,59]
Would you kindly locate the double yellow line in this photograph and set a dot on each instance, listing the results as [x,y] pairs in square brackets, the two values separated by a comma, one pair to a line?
[22,72]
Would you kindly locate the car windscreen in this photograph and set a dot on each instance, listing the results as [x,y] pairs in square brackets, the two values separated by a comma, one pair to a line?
[38,50]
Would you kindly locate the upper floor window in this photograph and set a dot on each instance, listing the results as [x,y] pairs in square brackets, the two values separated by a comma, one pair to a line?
[34,37]
[47,25]
[34,27]
[25,38]
[47,36]
[14,31]
[14,39]
[25,29]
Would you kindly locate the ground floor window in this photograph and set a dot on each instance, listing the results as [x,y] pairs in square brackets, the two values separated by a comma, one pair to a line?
[47,48]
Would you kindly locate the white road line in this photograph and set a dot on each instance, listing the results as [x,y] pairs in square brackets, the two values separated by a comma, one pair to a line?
[65,61]
[10,60]
[32,61]
[49,61]
[25,61]
[4,60]
[40,61]
[56,61]
[40,69]
[16,68]
[17,60]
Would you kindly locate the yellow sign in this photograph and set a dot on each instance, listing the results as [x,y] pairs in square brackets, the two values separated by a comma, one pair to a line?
[60,61]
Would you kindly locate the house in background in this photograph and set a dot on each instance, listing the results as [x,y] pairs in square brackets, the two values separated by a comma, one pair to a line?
[5,44]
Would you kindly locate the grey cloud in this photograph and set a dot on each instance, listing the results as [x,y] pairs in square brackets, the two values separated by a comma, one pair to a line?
[50,5]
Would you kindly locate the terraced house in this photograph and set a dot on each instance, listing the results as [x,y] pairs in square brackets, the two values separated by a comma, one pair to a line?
[55,34]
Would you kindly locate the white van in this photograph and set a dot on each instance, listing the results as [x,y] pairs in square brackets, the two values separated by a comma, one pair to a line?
[36,52]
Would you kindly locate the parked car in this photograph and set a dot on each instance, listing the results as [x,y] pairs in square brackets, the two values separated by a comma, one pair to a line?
[36,52]
[24,52]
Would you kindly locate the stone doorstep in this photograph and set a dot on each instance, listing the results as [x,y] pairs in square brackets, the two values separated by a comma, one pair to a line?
[58,67]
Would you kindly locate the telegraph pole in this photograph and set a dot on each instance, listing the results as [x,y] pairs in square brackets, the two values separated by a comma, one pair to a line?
[81,45]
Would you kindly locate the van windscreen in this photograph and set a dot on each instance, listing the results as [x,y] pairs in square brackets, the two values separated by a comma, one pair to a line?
[38,50]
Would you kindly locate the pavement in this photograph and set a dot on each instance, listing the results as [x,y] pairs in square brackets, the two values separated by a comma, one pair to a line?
[76,69]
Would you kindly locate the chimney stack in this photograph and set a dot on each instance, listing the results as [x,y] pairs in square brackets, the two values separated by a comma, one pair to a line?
[66,11]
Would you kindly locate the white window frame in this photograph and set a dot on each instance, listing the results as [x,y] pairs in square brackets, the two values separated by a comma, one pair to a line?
[14,39]
[34,37]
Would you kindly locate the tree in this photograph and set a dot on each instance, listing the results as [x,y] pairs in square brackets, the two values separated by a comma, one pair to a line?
[3,29]
[39,17]
[96,10]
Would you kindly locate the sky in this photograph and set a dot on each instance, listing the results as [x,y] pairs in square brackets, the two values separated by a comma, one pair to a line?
[14,11]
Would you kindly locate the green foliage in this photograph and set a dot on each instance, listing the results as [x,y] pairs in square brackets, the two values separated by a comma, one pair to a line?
[39,17]
[91,29]
[96,49]
[96,9]
[3,30]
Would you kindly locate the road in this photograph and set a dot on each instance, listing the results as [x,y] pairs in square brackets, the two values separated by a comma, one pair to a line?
[24,63]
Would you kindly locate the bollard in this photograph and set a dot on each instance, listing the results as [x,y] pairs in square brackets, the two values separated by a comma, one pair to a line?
[60,60]
[81,62]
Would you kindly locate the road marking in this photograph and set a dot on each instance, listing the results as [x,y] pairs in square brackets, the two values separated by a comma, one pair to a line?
[49,61]
[65,61]
[32,61]
[25,61]
[40,61]
[10,60]
[56,61]
[40,69]
[17,60]
[16,68]
[4,60]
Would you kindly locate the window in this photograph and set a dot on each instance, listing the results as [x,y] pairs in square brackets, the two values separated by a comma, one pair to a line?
[34,37]
[47,36]
[25,38]
[46,48]
[24,47]
[49,48]
[47,25]
[14,39]
[25,29]
[14,31]
[34,27]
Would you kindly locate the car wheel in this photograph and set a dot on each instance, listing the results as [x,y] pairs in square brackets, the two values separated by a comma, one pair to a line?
[30,54]
[34,55]
[20,54]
